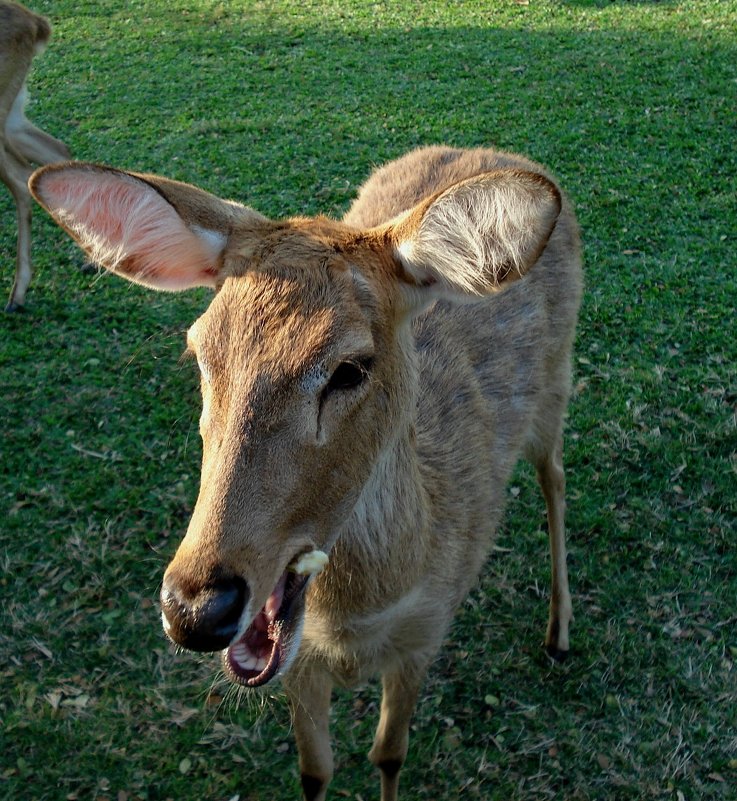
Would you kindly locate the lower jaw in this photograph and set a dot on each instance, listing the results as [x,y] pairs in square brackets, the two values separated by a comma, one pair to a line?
[245,672]
[284,635]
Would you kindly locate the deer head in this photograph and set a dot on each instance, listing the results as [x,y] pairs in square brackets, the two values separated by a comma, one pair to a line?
[307,366]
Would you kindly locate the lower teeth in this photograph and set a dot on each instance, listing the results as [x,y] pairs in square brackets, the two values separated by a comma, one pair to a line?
[246,662]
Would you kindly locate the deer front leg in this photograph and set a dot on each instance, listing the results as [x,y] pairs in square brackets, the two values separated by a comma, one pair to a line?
[309,696]
[14,175]
[552,481]
[398,702]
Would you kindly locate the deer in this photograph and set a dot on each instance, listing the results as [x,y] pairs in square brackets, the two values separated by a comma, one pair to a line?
[368,385]
[23,35]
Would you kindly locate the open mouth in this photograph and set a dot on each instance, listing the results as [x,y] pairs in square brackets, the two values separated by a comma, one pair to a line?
[255,658]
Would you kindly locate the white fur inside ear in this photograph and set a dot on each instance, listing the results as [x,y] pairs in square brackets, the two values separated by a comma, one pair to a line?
[128,227]
[213,241]
[480,233]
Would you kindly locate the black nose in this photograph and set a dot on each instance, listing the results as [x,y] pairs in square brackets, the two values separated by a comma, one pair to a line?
[205,619]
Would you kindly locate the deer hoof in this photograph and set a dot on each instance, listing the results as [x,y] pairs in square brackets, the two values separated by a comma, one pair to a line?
[556,654]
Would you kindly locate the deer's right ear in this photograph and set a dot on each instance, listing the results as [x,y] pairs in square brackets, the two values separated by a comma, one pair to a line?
[150,230]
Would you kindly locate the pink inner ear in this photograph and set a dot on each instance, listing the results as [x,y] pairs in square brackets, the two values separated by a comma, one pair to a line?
[128,227]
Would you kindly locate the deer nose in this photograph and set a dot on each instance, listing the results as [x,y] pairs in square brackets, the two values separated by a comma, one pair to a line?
[205,619]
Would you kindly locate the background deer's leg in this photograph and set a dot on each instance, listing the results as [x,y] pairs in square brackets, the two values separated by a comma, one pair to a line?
[389,750]
[552,480]
[309,694]
[14,170]
[14,175]
[28,141]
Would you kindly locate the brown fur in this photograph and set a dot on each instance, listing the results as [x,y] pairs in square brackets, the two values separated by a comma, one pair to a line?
[401,479]
[22,35]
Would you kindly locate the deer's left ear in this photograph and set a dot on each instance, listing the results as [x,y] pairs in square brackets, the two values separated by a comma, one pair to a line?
[478,235]
[148,229]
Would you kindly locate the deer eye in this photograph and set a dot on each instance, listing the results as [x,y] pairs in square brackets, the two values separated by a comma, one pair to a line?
[349,375]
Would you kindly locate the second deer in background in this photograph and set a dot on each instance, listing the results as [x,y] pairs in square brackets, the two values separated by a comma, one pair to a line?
[23,34]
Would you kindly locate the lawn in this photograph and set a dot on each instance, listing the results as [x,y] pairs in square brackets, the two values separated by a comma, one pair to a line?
[287,106]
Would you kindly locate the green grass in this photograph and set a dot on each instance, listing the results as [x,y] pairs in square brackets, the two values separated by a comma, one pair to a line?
[287,105]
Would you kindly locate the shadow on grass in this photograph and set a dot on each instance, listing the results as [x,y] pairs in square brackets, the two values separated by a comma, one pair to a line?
[610,3]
